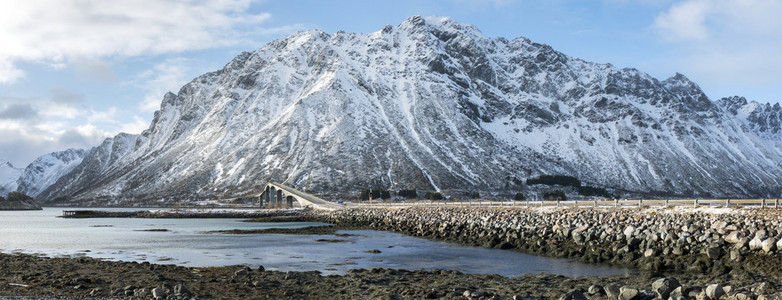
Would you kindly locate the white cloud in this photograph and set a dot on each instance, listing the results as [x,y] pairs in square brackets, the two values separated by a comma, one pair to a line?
[8,72]
[94,69]
[136,126]
[479,5]
[725,43]
[167,76]
[108,116]
[60,31]
[685,21]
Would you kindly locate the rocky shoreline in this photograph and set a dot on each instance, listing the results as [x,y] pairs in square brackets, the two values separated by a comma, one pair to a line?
[680,254]
[725,246]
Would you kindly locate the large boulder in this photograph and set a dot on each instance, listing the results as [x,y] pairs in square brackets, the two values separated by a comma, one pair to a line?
[734,237]
[664,286]
[627,292]
[756,243]
[768,245]
[714,291]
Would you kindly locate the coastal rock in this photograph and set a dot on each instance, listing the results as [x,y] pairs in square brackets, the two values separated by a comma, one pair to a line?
[627,293]
[714,291]
[756,243]
[649,252]
[664,286]
[595,289]
[628,231]
[714,251]
[613,290]
[677,293]
[734,236]
[573,295]
[159,293]
[735,255]
[768,245]
[141,293]
[181,289]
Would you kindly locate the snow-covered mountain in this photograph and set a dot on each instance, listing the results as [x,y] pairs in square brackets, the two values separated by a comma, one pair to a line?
[45,170]
[431,104]
[39,174]
[8,176]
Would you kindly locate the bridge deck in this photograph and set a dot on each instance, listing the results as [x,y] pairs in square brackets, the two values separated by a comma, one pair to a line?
[305,199]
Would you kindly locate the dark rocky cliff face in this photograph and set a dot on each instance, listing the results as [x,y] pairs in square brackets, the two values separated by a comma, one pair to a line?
[18,201]
[431,104]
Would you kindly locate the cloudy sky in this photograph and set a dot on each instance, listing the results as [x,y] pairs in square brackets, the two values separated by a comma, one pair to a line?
[73,72]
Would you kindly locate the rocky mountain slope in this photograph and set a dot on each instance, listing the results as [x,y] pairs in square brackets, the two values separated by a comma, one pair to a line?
[45,170]
[8,176]
[18,201]
[432,104]
[39,174]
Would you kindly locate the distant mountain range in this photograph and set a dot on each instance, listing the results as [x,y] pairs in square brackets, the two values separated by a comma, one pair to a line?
[430,104]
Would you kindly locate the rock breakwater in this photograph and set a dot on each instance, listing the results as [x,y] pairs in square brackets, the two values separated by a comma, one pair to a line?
[727,246]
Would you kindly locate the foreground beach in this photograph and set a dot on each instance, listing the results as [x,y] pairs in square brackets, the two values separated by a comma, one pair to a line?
[680,253]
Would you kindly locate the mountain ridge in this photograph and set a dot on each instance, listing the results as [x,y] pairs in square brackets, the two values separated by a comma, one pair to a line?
[430,104]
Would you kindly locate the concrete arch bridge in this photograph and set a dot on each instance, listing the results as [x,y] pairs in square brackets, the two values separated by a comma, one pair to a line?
[276,195]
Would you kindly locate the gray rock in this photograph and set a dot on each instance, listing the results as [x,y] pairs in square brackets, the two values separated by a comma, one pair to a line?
[629,230]
[595,289]
[573,295]
[241,272]
[677,251]
[714,251]
[768,245]
[714,291]
[742,296]
[764,288]
[677,293]
[735,255]
[664,286]
[649,252]
[181,289]
[756,243]
[141,293]
[734,237]
[612,290]
[159,293]
[693,292]
[627,292]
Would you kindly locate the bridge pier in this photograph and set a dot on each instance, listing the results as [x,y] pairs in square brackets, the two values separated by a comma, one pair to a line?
[289,201]
[267,197]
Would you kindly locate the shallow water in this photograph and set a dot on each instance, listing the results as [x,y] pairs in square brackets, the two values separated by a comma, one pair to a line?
[185,243]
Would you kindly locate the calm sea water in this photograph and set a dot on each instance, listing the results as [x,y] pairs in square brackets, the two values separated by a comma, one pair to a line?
[185,243]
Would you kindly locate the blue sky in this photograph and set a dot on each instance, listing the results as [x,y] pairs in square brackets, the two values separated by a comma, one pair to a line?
[73,72]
